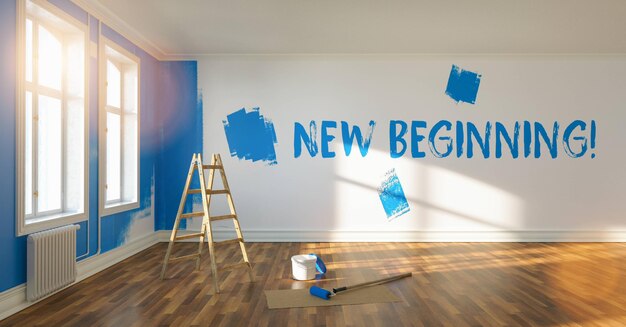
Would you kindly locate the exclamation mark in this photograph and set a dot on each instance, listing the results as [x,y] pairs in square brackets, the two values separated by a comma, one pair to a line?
[593,138]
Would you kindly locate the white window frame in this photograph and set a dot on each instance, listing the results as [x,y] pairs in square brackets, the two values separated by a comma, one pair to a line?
[27,224]
[110,208]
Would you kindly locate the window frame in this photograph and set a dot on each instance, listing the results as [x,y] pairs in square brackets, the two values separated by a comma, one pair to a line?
[107,208]
[31,223]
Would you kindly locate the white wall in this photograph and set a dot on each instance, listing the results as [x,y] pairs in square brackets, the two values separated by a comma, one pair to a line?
[450,194]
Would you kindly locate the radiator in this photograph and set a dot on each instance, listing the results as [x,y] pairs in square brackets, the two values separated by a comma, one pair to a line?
[51,261]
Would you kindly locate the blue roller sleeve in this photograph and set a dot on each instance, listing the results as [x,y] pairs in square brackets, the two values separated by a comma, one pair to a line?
[319,264]
[320,292]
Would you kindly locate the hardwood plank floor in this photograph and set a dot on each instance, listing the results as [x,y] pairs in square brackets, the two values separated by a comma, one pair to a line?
[454,284]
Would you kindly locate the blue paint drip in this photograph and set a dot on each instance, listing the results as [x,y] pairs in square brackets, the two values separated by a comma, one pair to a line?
[392,196]
[251,136]
[463,85]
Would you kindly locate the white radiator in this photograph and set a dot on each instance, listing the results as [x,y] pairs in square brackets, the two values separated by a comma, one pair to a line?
[51,261]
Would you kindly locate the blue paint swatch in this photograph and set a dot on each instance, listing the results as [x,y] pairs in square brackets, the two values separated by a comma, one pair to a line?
[463,85]
[392,196]
[251,136]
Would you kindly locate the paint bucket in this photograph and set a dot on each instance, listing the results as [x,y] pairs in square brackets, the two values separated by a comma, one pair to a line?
[303,266]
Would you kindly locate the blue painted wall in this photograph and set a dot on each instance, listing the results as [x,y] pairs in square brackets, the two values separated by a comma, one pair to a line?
[170,131]
[180,129]
[12,249]
[115,227]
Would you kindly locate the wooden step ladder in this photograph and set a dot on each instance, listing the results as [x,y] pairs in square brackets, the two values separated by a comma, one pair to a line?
[206,230]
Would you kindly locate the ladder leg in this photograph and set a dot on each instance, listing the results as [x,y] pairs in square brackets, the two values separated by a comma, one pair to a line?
[213,263]
[243,249]
[231,205]
[178,214]
[167,254]
[206,198]
[201,243]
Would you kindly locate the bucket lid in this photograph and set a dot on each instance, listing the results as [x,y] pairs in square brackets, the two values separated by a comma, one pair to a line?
[304,258]
[319,264]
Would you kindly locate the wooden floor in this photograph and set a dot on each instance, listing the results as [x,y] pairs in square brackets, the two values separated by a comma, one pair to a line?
[454,284]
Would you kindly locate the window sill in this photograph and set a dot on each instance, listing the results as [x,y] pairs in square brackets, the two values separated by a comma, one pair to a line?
[113,208]
[39,224]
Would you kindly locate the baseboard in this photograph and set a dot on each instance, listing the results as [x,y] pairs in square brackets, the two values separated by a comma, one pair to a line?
[14,299]
[415,236]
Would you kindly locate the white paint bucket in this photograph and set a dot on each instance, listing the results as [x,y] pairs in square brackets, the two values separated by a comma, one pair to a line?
[303,266]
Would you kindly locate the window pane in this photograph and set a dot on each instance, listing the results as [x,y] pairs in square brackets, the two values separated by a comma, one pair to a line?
[75,155]
[114,84]
[74,65]
[49,154]
[50,59]
[114,148]
[130,88]
[129,153]
[28,154]
[29,50]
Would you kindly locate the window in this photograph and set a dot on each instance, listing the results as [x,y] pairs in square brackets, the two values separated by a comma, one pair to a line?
[119,147]
[51,119]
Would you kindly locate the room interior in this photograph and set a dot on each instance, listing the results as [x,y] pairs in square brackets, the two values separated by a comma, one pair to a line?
[472,149]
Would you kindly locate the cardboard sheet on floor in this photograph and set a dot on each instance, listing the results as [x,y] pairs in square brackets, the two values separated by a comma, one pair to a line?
[301,298]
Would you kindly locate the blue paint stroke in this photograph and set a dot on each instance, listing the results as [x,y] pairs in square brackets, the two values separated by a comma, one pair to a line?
[299,133]
[251,136]
[348,137]
[392,196]
[463,85]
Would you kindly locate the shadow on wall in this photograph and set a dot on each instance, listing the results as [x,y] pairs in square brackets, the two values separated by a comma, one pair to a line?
[439,199]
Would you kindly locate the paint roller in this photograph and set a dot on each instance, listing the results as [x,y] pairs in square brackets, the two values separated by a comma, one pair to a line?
[326,295]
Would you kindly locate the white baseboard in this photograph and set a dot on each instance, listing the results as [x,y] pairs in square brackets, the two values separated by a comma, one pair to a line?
[14,299]
[414,236]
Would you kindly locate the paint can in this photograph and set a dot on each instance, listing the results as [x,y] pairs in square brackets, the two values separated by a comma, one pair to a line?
[303,266]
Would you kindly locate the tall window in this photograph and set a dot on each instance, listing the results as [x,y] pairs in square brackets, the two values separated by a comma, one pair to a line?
[51,129]
[120,126]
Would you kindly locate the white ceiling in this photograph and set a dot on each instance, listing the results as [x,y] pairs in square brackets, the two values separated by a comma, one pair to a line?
[196,27]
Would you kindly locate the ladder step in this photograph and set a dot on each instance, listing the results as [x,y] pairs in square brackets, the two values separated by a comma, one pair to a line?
[216,218]
[217,191]
[184,257]
[212,167]
[191,215]
[235,240]
[186,236]
[194,191]
[237,265]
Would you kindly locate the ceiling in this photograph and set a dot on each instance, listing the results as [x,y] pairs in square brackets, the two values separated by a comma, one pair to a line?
[202,27]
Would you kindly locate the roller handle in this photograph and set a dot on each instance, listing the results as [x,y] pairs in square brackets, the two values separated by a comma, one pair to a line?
[373,282]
